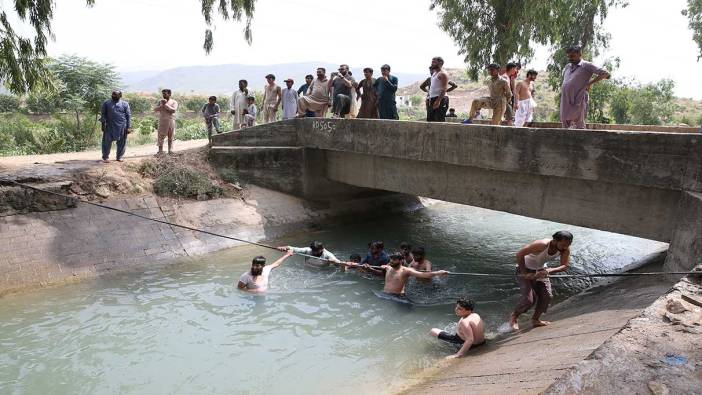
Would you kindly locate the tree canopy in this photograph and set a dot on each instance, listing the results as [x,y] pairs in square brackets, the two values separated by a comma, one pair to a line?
[502,30]
[23,59]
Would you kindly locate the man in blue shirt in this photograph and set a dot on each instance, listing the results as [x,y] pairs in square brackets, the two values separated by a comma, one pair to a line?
[116,120]
[377,255]
[302,91]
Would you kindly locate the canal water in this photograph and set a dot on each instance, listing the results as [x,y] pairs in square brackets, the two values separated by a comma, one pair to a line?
[186,329]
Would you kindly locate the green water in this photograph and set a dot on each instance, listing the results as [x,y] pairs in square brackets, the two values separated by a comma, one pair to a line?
[185,329]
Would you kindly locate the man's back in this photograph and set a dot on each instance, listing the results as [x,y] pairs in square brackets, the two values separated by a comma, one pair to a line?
[475,325]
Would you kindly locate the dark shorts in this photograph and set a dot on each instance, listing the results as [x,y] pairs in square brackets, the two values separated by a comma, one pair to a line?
[455,339]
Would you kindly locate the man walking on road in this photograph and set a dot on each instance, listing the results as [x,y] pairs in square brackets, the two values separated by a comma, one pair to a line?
[116,122]
[575,92]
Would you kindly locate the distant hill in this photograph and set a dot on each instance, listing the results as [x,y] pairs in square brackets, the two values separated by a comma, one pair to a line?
[222,79]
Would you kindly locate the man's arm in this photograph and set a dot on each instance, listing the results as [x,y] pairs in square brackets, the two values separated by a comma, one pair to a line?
[452,86]
[279,93]
[393,82]
[565,263]
[468,341]
[172,109]
[128,116]
[425,85]
[508,91]
[374,270]
[418,274]
[241,285]
[604,74]
[103,116]
[281,260]
[443,79]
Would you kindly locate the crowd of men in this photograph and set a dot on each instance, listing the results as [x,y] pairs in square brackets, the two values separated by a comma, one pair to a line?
[531,271]
[510,99]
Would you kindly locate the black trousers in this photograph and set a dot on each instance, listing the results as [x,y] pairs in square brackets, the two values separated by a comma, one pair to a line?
[438,114]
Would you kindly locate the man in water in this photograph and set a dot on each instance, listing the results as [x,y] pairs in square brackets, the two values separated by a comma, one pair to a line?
[376,254]
[532,275]
[497,101]
[396,275]
[256,279]
[406,251]
[470,332]
[315,249]
[575,92]
[524,104]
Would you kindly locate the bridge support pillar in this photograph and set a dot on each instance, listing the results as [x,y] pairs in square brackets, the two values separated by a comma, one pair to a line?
[685,251]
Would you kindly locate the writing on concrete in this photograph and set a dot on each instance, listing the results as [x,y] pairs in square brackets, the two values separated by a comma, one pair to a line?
[323,126]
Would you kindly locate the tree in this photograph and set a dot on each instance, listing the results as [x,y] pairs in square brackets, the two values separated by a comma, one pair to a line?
[82,85]
[694,14]
[23,59]
[501,30]
[650,104]
[9,103]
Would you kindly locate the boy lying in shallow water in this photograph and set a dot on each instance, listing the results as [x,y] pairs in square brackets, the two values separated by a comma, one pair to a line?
[470,332]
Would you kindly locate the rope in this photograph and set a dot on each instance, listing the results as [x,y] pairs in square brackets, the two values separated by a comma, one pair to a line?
[326,260]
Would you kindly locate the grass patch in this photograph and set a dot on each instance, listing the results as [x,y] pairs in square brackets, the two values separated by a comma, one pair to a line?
[229,175]
[173,179]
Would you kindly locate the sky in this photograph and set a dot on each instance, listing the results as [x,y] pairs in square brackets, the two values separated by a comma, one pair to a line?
[650,37]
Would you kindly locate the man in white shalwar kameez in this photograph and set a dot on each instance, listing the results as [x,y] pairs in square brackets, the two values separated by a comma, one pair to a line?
[239,103]
[289,100]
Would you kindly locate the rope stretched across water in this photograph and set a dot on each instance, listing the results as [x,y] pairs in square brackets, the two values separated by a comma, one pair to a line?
[627,274]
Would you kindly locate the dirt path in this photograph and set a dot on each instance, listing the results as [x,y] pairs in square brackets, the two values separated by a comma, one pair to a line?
[529,362]
[9,162]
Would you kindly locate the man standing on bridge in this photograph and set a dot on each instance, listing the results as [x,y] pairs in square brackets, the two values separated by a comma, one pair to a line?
[575,92]
[532,275]
[438,87]
[385,87]
[317,99]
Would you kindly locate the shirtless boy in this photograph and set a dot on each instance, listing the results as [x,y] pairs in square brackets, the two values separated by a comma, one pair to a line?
[256,279]
[396,275]
[470,332]
[524,104]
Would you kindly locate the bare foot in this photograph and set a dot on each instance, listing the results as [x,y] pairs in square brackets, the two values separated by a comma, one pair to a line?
[537,323]
[513,323]
[105,161]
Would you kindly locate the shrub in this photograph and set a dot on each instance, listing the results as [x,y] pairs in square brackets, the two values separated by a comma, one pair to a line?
[9,103]
[185,182]
[140,104]
[229,175]
[190,129]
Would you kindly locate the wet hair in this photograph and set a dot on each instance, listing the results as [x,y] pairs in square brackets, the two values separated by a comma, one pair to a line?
[405,246]
[419,251]
[355,258]
[532,72]
[213,98]
[368,70]
[271,76]
[396,256]
[439,59]
[510,66]
[259,260]
[493,66]
[378,244]
[574,49]
[309,76]
[466,303]
[316,246]
[166,90]
[563,235]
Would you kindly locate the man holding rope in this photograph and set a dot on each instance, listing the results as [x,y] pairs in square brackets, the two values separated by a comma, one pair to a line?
[316,249]
[396,275]
[256,279]
[532,275]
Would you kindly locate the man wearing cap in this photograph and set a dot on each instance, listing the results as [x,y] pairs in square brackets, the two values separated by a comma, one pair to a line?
[575,92]
[341,85]
[272,95]
[289,100]
[385,88]
[317,98]
[500,93]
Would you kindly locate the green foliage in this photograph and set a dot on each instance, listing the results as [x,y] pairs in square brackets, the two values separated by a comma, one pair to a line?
[9,103]
[417,100]
[227,9]
[140,104]
[650,104]
[694,15]
[500,30]
[20,136]
[83,84]
[192,103]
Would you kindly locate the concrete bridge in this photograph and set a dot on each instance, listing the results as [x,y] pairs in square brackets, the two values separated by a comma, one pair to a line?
[645,184]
